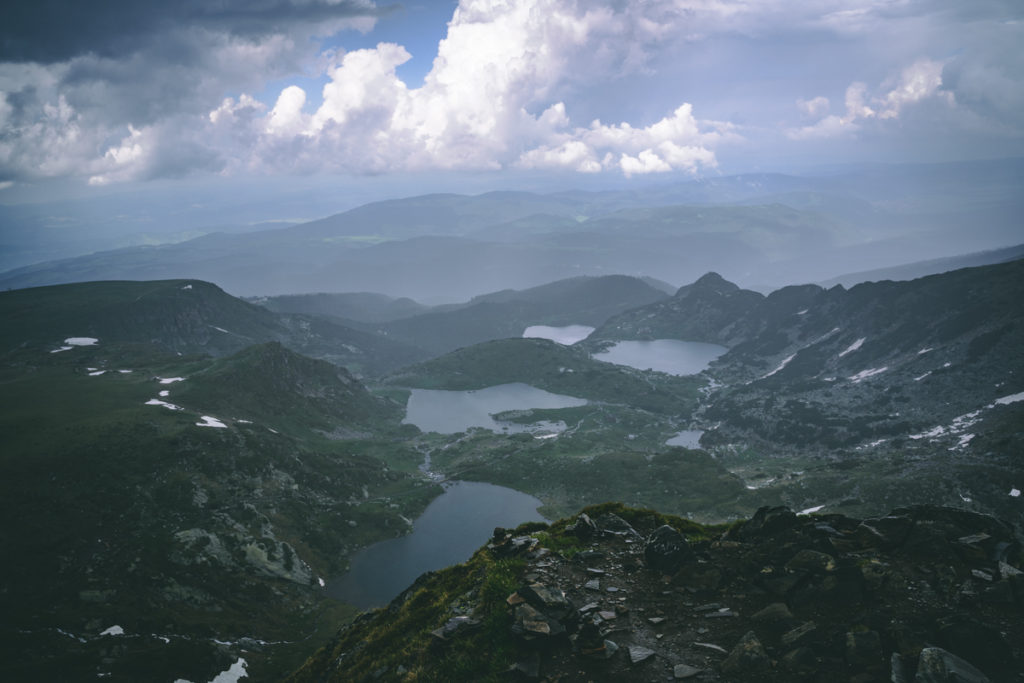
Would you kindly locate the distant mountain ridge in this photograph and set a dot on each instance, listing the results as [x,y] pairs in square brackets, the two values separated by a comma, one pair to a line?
[762,229]
[911,271]
[575,301]
[367,307]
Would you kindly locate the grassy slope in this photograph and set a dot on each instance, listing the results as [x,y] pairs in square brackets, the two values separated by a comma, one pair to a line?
[95,485]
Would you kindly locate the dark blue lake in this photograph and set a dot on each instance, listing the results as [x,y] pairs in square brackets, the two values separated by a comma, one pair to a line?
[448,532]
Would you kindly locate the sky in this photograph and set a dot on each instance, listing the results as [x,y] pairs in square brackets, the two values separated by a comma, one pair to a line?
[126,96]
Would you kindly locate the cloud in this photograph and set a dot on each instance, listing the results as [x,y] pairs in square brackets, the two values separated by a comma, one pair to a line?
[497,63]
[920,81]
[814,107]
[286,117]
[134,90]
[572,154]
[676,142]
[52,31]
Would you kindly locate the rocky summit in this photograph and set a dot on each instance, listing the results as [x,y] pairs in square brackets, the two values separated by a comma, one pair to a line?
[923,595]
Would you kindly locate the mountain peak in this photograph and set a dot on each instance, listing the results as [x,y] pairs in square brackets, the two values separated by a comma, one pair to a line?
[709,282]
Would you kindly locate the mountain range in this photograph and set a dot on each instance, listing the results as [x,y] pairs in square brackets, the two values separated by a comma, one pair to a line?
[761,230]
[186,466]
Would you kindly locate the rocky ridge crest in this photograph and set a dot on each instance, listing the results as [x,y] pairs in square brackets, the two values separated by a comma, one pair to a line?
[922,595]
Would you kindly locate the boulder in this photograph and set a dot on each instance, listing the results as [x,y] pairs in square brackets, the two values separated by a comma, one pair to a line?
[775,613]
[936,665]
[667,550]
[973,640]
[748,657]
[614,524]
[583,528]
[545,597]
[684,671]
[801,635]
[767,521]
[454,627]
[884,532]
[864,650]
[638,653]
[812,561]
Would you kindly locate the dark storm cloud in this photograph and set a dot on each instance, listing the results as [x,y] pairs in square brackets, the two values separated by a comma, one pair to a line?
[49,31]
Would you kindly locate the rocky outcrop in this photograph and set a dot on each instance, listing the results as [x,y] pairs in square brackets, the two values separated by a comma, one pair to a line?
[915,596]
[922,595]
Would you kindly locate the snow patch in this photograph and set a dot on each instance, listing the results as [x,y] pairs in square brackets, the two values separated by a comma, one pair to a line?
[783,364]
[321,582]
[158,402]
[170,380]
[803,312]
[124,372]
[864,374]
[97,373]
[853,347]
[1012,398]
[187,287]
[930,434]
[113,631]
[63,348]
[221,329]
[81,341]
[208,421]
[962,443]
[923,351]
[164,393]
[810,510]
[1015,493]
[921,377]
[71,635]
[232,675]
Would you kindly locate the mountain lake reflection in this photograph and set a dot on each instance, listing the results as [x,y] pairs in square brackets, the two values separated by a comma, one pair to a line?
[566,335]
[449,531]
[670,356]
[450,412]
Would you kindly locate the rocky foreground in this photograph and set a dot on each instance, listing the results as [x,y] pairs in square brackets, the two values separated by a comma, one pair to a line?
[923,595]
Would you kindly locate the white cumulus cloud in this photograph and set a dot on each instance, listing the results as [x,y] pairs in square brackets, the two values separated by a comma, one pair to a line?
[485,104]
[920,81]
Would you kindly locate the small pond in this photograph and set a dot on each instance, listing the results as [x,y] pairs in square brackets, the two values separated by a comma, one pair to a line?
[449,531]
[688,438]
[664,355]
[567,335]
[449,412]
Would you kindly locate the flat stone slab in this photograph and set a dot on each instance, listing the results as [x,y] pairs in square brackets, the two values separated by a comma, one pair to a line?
[639,653]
